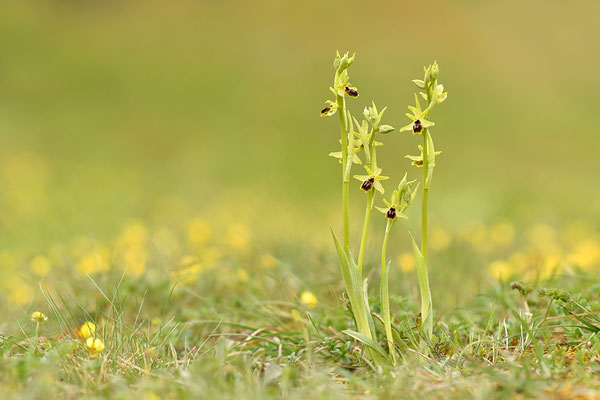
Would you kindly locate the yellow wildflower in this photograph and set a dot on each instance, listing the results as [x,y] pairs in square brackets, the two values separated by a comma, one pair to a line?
[502,233]
[267,261]
[242,275]
[40,266]
[237,236]
[585,254]
[87,330]
[38,317]
[95,261]
[309,299]
[94,346]
[296,315]
[440,239]
[407,262]
[501,269]
[198,232]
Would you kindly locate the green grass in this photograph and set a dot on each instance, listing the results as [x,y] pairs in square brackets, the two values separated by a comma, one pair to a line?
[121,123]
[229,334]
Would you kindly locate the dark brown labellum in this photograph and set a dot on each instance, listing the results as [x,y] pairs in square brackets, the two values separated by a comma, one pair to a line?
[351,92]
[368,184]
[418,163]
[325,110]
[391,214]
[417,127]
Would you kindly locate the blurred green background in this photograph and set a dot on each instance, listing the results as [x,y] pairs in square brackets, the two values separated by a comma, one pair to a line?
[112,111]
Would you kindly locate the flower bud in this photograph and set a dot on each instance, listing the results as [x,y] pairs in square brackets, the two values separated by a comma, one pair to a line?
[386,128]
[435,71]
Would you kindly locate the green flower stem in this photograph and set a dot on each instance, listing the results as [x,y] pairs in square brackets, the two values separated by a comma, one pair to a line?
[425,197]
[341,101]
[426,302]
[363,240]
[385,298]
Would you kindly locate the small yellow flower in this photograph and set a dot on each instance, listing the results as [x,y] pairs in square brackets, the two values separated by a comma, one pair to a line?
[440,239]
[38,317]
[267,261]
[87,330]
[407,262]
[296,315]
[94,346]
[40,266]
[242,275]
[501,269]
[309,299]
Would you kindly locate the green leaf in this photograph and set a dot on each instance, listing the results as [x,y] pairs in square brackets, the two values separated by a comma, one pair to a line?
[353,284]
[370,343]
[426,315]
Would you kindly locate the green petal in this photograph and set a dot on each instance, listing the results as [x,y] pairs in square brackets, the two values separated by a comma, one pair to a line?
[379,187]
[362,178]
[407,127]
[383,210]
[427,124]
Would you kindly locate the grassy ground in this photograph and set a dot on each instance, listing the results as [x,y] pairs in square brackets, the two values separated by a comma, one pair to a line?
[164,174]
[230,320]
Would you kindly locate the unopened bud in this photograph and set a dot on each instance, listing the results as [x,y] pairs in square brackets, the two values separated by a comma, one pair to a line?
[385,128]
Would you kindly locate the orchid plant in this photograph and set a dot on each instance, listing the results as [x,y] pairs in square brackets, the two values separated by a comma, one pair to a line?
[358,143]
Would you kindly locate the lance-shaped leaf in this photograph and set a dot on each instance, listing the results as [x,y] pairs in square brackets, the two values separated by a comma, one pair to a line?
[370,343]
[426,317]
[353,284]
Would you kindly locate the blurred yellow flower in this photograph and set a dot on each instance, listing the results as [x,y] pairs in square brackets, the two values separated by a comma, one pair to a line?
[478,237]
[94,346]
[439,239]
[190,270]
[210,256]
[38,317]
[40,266]
[502,233]
[500,269]
[585,254]
[267,261]
[406,261]
[549,266]
[87,330]
[296,315]
[199,232]
[21,292]
[242,275]
[95,261]
[237,237]
[309,299]
[131,248]
[544,239]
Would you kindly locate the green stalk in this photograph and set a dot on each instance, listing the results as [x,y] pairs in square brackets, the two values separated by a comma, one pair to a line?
[341,101]
[365,232]
[425,197]
[384,292]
